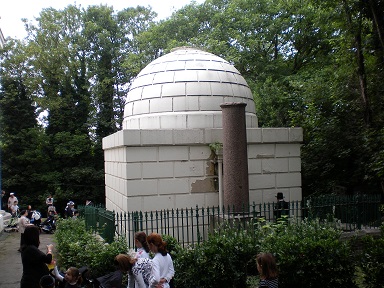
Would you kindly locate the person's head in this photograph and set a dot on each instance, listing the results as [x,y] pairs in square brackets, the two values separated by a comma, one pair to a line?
[12,194]
[24,213]
[32,236]
[280,196]
[15,202]
[141,240]
[266,265]
[156,244]
[72,275]
[124,262]
[29,207]
[47,281]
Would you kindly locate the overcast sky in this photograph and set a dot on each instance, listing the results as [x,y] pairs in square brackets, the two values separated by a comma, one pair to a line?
[12,11]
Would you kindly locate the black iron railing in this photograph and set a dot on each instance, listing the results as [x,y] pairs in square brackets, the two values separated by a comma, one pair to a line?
[193,225]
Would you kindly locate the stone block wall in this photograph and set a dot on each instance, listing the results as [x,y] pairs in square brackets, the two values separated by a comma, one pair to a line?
[147,170]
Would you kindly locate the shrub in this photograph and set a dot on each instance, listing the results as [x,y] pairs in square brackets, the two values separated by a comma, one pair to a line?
[79,247]
[220,261]
[173,247]
[371,262]
[310,254]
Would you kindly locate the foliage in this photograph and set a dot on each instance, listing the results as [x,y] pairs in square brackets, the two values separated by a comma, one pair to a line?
[371,262]
[79,247]
[309,254]
[223,260]
[173,247]
[312,64]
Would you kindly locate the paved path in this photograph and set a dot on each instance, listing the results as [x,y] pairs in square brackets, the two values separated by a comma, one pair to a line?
[10,259]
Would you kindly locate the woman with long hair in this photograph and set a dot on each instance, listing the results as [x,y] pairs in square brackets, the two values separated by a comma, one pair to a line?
[138,269]
[141,245]
[34,261]
[162,264]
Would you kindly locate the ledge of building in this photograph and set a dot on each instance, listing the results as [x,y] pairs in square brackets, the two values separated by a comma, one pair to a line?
[137,137]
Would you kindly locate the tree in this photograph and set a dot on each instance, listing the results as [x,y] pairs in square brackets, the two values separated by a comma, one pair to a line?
[23,159]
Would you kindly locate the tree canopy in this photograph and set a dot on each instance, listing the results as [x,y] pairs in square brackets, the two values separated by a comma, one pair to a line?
[313,64]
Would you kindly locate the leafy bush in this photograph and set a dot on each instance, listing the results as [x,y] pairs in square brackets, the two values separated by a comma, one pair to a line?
[173,247]
[310,254]
[220,261]
[372,262]
[79,247]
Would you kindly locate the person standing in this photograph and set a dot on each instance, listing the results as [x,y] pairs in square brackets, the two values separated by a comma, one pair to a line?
[141,245]
[3,200]
[15,209]
[138,269]
[162,264]
[49,203]
[23,223]
[49,200]
[69,210]
[267,268]
[11,200]
[33,260]
[282,207]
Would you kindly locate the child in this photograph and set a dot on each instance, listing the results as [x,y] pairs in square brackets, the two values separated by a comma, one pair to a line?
[15,208]
[47,282]
[142,245]
[266,265]
[72,277]
[138,269]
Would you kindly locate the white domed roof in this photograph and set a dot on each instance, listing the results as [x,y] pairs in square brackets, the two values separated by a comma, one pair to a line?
[184,89]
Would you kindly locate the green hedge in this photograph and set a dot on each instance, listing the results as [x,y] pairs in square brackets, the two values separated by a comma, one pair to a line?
[78,247]
[371,262]
[309,254]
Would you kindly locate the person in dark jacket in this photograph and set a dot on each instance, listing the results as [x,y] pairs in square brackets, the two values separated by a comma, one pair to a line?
[34,261]
[282,207]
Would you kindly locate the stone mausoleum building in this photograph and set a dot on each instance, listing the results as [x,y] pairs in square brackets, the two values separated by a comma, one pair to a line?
[168,154]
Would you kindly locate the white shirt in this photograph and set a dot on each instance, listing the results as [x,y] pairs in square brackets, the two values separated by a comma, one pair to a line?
[141,253]
[23,222]
[162,267]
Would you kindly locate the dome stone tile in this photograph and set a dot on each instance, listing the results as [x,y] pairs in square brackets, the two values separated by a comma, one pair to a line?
[209,103]
[143,80]
[197,89]
[151,91]
[135,94]
[186,76]
[221,89]
[160,105]
[175,66]
[181,104]
[173,89]
[197,65]
[208,76]
[226,77]
[141,107]
[164,77]
[177,121]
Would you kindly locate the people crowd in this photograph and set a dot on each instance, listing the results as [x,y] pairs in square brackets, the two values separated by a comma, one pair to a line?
[142,270]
